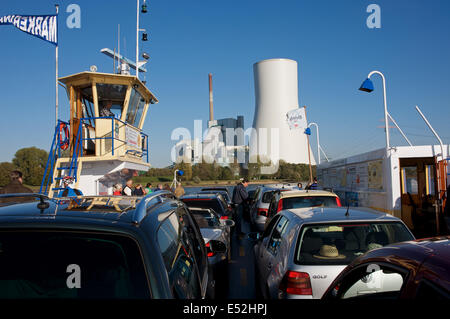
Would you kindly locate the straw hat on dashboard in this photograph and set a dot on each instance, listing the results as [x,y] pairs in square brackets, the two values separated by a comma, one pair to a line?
[329,252]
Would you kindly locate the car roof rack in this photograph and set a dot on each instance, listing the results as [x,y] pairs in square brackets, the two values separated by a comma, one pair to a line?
[148,202]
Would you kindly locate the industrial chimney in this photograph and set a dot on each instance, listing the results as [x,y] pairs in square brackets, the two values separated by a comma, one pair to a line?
[211,108]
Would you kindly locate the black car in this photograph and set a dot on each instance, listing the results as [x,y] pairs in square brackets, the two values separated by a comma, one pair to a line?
[224,193]
[213,201]
[102,247]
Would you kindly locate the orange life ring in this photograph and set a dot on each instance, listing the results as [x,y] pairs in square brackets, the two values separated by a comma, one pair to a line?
[63,142]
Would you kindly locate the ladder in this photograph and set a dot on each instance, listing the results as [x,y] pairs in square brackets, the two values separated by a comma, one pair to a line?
[57,167]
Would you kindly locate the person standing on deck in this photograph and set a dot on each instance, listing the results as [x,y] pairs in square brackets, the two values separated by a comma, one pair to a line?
[240,195]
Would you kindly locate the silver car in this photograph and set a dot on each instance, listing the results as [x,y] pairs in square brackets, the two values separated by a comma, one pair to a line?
[303,250]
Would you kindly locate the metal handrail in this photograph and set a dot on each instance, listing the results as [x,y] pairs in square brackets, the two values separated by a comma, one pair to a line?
[113,138]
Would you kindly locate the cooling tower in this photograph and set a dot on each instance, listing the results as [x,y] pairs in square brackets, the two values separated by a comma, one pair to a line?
[276,93]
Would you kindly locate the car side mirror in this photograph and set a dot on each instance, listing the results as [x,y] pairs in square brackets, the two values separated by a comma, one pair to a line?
[218,247]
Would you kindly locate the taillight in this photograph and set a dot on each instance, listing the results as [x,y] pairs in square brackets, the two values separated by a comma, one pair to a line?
[208,249]
[262,212]
[296,283]
[280,205]
[338,202]
[223,217]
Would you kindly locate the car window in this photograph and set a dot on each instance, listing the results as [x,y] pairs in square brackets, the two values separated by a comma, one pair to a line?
[309,201]
[273,206]
[192,236]
[277,234]
[206,219]
[372,281]
[214,204]
[270,227]
[50,264]
[168,241]
[184,277]
[340,244]
[267,196]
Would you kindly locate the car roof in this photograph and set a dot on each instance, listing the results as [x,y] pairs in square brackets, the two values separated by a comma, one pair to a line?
[200,195]
[337,214]
[62,214]
[214,189]
[300,193]
[434,253]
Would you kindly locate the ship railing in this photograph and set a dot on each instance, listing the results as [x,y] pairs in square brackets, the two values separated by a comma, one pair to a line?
[139,151]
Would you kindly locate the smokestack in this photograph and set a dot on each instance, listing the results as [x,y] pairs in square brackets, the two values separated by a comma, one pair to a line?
[211,109]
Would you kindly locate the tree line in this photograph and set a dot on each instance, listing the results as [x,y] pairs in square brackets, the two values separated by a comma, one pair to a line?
[213,171]
[30,161]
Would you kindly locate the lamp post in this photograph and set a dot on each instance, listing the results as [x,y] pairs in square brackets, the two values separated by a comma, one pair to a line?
[318,143]
[367,86]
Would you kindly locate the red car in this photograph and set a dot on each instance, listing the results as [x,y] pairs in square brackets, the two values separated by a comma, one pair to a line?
[417,269]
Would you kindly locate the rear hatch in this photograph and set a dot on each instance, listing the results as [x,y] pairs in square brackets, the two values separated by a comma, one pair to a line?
[324,249]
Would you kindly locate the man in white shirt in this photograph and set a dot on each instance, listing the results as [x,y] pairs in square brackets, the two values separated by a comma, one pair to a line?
[127,190]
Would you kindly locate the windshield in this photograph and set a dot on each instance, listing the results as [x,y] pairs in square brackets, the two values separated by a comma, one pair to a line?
[206,219]
[310,201]
[205,203]
[135,108]
[340,244]
[102,203]
[46,264]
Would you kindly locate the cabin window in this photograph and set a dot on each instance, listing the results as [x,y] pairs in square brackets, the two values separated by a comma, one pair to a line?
[135,108]
[409,180]
[429,179]
[114,93]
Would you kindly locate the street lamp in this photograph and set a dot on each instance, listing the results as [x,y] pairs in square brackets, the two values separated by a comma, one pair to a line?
[367,86]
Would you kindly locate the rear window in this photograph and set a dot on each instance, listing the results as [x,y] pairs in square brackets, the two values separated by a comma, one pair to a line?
[267,197]
[205,219]
[214,204]
[340,244]
[309,201]
[47,264]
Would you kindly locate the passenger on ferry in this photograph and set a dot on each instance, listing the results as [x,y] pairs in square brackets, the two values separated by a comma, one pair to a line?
[128,190]
[138,190]
[179,191]
[117,190]
[106,109]
[148,188]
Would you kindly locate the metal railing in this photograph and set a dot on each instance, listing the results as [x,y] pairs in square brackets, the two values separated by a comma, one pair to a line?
[143,148]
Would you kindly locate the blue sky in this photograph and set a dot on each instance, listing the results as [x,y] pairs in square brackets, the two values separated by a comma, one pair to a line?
[189,39]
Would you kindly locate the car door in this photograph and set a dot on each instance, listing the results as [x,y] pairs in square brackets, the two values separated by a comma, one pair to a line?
[275,256]
[254,205]
[370,281]
[196,248]
[262,255]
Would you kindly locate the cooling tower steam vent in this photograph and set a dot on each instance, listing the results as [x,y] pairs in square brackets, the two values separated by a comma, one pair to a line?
[276,93]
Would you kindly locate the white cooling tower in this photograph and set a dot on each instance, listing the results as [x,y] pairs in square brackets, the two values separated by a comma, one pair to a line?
[276,93]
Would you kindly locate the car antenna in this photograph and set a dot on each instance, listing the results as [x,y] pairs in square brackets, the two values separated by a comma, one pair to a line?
[348,202]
